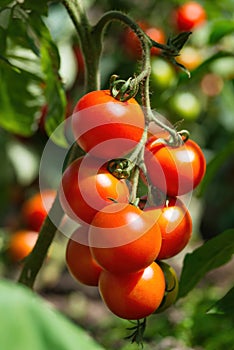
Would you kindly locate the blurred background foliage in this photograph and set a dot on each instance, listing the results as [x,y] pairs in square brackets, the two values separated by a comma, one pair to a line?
[33,102]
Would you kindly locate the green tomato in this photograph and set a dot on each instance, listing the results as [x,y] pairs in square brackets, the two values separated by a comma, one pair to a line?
[163,75]
[186,105]
[172,286]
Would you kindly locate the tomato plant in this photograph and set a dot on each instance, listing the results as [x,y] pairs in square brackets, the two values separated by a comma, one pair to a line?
[174,170]
[189,15]
[21,244]
[123,238]
[35,208]
[79,260]
[176,227]
[133,296]
[87,186]
[106,127]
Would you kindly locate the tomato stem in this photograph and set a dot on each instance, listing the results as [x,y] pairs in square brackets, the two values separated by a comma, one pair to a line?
[36,258]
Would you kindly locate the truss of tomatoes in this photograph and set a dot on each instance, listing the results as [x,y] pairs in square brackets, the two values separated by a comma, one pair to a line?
[117,246]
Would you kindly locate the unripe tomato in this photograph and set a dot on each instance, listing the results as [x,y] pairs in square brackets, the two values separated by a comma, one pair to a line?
[172,286]
[176,227]
[87,186]
[79,260]
[123,238]
[106,127]
[189,15]
[162,74]
[135,295]
[21,244]
[185,105]
[174,170]
[35,209]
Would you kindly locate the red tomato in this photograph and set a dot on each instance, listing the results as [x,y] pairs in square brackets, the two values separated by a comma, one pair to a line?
[133,296]
[174,170]
[79,260]
[106,127]
[87,186]
[35,209]
[189,15]
[176,227]
[21,244]
[132,43]
[123,238]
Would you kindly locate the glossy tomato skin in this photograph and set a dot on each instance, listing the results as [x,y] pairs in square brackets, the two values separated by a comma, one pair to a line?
[133,296]
[176,227]
[174,170]
[124,239]
[35,209]
[105,127]
[79,260]
[87,186]
[21,244]
[189,15]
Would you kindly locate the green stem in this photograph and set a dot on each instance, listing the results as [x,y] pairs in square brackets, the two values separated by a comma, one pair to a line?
[35,260]
[91,46]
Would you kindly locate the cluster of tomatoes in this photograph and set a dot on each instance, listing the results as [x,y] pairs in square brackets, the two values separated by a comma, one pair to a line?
[118,245]
[33,213]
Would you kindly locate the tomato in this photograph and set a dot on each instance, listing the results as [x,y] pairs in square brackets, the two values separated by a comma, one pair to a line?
[35,209]
[132,44]
[133,296]
[79,260]
[123,238]
[190,57]
[163,75]
[106,127]
[87,186]
[174,170]
[185,105]
[189,15]
[172,286]
[176,227]
[21,244]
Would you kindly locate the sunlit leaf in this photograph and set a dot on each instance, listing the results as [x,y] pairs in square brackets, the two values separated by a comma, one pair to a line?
[224,306]
[212,254]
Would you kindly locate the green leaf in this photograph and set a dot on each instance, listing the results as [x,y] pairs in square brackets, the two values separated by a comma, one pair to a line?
[40,7]
[54,91]
[214,165]
[224,306]
[27,323]
[220,29]
[19,100]
[212,254]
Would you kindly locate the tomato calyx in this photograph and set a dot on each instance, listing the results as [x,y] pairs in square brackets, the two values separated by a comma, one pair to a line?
[120,168]
[137,332]
[123,90]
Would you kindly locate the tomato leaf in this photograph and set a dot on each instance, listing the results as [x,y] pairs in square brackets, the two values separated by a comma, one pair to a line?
[220,29]
[29,65]
[27,322]
[224,306]
[214,165]
[212,254]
